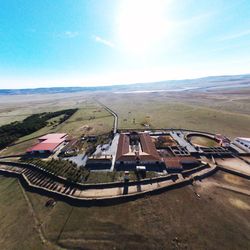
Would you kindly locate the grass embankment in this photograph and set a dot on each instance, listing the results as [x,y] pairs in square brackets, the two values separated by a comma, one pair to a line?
[73,173]
[66,169]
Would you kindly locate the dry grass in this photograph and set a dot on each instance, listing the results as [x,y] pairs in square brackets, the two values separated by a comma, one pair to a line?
[17,228]
[90,119]
[216,112]
[203,141]
[177,219]
[94,120]
[176,112]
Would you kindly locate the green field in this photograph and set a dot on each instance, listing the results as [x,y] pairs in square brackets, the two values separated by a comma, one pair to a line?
[88,120]
[18,107]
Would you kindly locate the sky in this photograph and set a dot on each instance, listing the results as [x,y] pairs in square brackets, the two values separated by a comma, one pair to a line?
[45,43]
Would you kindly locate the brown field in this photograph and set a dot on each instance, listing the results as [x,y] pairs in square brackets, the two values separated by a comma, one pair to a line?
[176,219]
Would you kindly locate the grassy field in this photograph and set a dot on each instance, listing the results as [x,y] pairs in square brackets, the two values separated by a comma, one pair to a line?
[177,219]
[17,228]
[223,113]
[13,108]
[90,119]
[227,113]
[163,111]
[203,141]
[27,141]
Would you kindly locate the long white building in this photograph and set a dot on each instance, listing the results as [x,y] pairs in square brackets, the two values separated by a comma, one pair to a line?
[243,143]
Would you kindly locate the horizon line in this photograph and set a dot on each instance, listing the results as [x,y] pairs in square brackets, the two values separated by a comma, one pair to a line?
[124,84]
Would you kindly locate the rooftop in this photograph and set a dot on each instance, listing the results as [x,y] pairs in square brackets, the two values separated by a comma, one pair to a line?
[145,150]
[53,137]
[243,138]
[48,142]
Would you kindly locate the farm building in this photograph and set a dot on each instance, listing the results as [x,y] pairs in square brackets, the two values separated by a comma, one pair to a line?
[137,149]
[48,143]
[71,146]
[177,164]
[103,162]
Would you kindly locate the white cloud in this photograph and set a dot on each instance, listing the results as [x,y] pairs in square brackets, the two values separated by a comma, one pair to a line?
[106,42]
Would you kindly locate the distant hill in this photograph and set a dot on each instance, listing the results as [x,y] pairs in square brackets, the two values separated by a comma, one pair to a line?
[200,84]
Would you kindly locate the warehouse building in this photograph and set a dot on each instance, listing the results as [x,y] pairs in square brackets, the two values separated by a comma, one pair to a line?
[48,144]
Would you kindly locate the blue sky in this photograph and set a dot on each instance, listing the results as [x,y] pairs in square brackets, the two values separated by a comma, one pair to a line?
[102,42]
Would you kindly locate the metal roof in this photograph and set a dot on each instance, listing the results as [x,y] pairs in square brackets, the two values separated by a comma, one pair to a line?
[53,137]
[44,147]
[243,139]
[48,142]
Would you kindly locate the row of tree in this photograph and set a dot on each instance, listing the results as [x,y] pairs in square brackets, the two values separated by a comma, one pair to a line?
[11,132]
[62,168]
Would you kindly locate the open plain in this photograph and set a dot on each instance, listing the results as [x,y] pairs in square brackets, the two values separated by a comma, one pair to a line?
[179,219]
[212,214]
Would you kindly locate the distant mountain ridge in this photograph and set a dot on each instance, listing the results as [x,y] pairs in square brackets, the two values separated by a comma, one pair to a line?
[169,85]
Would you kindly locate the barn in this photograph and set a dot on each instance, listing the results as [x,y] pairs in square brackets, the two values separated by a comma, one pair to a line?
[48,143]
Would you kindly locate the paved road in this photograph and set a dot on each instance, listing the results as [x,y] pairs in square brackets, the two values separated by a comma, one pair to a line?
[113,113]
[113,150]
[79,160]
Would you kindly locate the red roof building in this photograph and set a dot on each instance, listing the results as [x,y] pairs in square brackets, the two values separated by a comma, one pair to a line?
[48,143]
[142,151]
[180,163]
